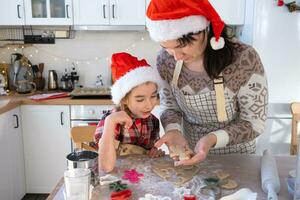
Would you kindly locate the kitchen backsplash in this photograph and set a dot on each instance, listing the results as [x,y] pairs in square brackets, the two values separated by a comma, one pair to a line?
[90,51]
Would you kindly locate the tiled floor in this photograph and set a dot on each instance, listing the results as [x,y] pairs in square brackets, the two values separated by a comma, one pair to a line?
[35,197]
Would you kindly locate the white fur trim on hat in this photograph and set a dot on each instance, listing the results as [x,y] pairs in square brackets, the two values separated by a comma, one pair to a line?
[216,45]
[132,79]
[163,30]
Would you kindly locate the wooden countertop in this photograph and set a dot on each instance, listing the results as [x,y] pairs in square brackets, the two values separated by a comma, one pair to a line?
[16,100]
[245,169]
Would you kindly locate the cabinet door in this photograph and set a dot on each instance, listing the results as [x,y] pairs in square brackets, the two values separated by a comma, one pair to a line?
[231,11]
[11,12]
[92,12]
[129,12]
[48,12]
[5,180]
[16,154]
[46,136]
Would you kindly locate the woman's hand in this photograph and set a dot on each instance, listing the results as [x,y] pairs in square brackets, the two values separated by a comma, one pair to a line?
[155,152]
[173,138]
[202,148]
[120,117]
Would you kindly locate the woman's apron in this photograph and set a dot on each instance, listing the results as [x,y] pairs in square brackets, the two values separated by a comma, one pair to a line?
[207,112]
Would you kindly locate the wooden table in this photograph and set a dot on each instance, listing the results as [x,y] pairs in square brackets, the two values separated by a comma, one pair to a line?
[245,169]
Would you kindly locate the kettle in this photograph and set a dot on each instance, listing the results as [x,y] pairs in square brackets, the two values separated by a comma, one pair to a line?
[52,80]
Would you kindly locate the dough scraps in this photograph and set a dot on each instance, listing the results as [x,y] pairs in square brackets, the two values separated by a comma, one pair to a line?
[130,149]
[179,151]
[177,175]
[231,184]
[222,175]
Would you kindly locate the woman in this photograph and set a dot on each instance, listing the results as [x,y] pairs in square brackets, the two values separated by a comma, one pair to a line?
[216,95]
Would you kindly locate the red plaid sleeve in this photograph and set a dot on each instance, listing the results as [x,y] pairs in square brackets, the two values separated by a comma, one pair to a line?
[100,128]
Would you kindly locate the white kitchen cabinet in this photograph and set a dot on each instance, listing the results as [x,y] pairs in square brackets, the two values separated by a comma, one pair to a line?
[231,11]
[46,135]
[129,12]
[11,12]
[12,173]
[92,12]
[48,12]
[109,12]
[5,182]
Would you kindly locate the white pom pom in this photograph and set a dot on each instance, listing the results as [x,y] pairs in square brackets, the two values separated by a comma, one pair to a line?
[216,45]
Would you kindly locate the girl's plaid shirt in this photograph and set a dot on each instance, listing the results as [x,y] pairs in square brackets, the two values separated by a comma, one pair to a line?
[143,132]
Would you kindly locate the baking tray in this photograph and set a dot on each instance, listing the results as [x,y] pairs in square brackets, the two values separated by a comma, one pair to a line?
[91,93]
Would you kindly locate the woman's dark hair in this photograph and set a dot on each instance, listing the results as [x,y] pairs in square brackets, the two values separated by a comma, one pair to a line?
[214,60]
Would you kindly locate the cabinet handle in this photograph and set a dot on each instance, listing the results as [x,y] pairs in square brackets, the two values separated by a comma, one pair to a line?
[104,15]
[67,10]
[113,10]
[18,9]
[61,118]
[17,120]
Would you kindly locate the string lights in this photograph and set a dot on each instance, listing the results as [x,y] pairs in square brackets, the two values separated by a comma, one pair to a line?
[38,52]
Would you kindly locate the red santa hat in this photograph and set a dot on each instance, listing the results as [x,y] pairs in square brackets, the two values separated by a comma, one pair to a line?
[171,19]
[129,72]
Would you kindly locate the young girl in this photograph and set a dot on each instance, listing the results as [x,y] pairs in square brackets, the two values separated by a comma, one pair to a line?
[135,92]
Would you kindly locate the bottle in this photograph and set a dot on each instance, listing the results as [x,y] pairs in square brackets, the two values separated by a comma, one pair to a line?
[297,179]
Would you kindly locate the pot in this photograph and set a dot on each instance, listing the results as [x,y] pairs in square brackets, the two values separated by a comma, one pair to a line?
[87,160]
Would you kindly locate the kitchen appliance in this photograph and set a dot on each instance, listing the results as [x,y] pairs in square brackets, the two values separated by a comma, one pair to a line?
[84,159]
[65,83]
[52,80]
[20,69]
[25,86]
[88,115]
[269,175]
[3,78]
[2,85]
[16,65]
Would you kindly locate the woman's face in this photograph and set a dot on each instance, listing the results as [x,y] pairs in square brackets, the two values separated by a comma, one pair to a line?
[142,99]
[189,52]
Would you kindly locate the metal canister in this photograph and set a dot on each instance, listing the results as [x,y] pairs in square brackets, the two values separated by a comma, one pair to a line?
[85,159]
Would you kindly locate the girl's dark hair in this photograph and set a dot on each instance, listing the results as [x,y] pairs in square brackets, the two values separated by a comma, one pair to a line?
[215,61]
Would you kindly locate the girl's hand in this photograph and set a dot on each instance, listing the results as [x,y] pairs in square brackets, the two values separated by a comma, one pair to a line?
[155,152]
[120,117]
[173,138]
[202,148]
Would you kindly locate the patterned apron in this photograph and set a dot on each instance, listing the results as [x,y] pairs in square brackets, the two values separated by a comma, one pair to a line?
[200,115]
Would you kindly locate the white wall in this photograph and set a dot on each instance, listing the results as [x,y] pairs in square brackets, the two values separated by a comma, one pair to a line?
[85,48]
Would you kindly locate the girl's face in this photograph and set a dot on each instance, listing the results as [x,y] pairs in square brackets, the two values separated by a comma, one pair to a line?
[189,52]
[142,99]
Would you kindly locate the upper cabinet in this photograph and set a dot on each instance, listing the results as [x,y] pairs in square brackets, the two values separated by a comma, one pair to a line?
[130,12]
[231,11]
[48,12]
[11,12]
[109,12]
